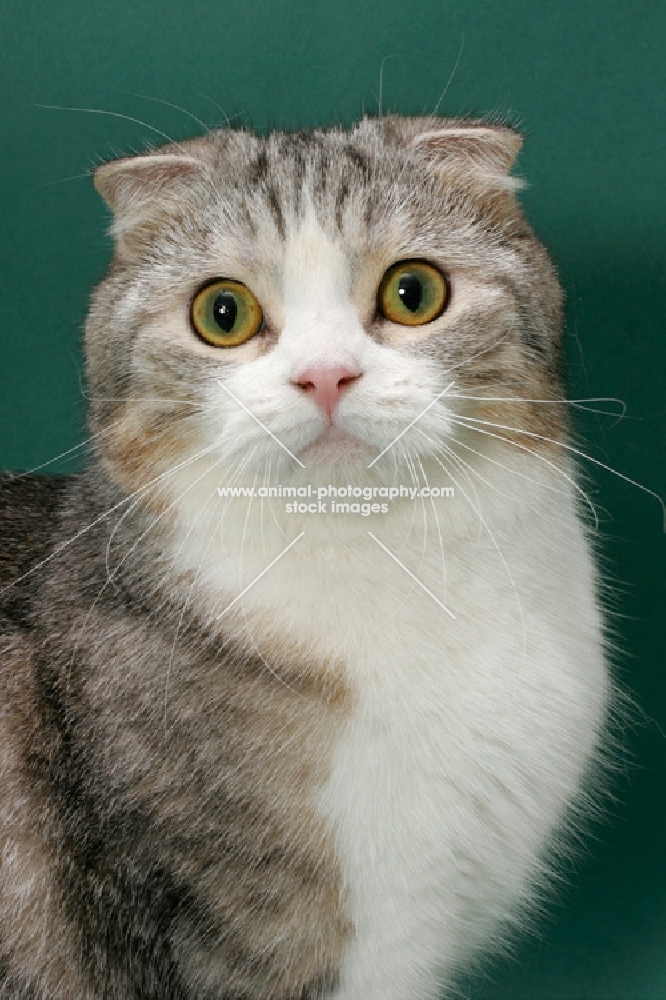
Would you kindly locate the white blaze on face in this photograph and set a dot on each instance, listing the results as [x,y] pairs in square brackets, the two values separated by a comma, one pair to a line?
[322,329]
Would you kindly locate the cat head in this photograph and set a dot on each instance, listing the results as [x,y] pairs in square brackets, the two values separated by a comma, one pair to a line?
[303,299]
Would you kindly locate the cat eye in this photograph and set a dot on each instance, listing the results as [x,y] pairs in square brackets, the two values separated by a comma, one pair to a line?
[412,293]
[225,313]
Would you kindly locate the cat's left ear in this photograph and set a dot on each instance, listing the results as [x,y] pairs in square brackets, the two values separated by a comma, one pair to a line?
[492,148]
[488,150]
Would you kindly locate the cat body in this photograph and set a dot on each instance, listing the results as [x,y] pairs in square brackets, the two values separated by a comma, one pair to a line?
[251,751]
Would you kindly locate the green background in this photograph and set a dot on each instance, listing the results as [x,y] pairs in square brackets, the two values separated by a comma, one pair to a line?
[585,79]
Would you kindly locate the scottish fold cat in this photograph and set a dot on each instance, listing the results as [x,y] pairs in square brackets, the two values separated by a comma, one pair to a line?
[254,746]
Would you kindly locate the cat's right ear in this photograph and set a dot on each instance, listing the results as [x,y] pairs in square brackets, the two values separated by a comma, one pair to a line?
[139,188]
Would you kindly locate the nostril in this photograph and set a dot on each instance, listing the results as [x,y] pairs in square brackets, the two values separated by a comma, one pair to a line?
[316,378]
[326,384]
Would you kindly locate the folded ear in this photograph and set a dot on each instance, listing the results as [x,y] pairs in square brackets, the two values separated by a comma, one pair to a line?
[492,147]
[489,150]
[139,188]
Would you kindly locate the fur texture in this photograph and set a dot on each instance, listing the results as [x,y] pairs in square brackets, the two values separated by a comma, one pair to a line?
[232,769]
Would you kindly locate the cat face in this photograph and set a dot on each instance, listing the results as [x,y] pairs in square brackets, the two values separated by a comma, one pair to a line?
[309,230]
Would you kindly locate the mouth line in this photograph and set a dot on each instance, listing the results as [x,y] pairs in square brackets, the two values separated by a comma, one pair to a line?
[335,440]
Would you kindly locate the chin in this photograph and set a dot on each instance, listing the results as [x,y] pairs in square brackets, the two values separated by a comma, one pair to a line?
[338,448]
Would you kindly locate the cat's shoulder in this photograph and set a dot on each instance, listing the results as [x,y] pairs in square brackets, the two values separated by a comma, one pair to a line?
[29,512]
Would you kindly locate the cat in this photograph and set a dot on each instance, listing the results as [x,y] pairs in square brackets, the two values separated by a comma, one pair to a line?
[256,746]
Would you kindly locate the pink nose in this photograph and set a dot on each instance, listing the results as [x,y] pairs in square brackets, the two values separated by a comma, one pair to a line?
[326,385]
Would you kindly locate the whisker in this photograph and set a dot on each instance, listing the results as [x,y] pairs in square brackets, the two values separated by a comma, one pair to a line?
[439,530]
[575,451]
[413,518]
[542,458]
[227,120]
[417,484]
[395,467]
[63,454]
[479,354]
[64,180]
[138,500]
[111,576]
[232,476]
[453,73]
[448,453]
[270,499]
[161,583]
[248,630]
[63,545]
[494,461]
[239,468]
[168,104]
[398,437]
[261,509]
[144,400]
[393,55]
[576,403]
[188,596]
[112,114]
[136,121]
[243,537]
[464,466]
[501,555]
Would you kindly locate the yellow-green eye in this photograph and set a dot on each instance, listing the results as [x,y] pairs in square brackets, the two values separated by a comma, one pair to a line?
[225,313]
[413,293]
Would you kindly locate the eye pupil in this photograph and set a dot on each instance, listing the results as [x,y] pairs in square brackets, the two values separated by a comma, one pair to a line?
[410,291]
[225,311]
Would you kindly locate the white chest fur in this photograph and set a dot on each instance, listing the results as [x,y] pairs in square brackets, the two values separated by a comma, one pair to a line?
[466,744]
[468,738]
